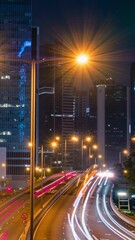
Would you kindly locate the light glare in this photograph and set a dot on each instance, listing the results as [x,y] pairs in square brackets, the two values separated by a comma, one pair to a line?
[82,59]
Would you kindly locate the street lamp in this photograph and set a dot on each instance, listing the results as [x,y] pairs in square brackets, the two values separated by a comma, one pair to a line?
[65,153]
[54,145]
[82,59]
[89,139]
[74,139]
[95,147]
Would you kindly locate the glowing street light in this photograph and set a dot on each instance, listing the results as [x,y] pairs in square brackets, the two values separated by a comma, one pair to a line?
[48,170]
[125,171]
[82,59]
[54,144]
[95,147]
[133,138]
[57,138]
[74,139]
[88,139]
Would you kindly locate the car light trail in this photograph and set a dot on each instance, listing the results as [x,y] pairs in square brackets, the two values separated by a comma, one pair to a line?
[72,229]
[53,185]
[80,226]
[6,208]
[4,236]
[115,222]
[106,181]
[74,219]
[11,211]
[84,208]
[100,180]
[117,232]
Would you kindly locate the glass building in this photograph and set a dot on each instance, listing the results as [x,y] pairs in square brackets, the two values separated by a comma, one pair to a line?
[132,100]
[15,43]
[56,111]
[132,89]
[116,122]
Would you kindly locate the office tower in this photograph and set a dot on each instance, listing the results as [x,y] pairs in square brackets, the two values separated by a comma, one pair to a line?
[109,120]
[15,42]
[83,125]
[132,100]
[116,122]
[92,122]
[56,109]
[82,112]
[101,121]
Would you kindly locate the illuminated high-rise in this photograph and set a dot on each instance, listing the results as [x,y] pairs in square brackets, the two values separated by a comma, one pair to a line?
[132,98]
[15,42]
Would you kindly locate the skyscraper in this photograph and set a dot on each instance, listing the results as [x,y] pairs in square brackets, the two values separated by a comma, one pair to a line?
[57,110]
[111,110]
[15,42]
[132,99]
[116,122]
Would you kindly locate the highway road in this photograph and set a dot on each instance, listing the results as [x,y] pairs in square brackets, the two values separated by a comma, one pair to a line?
[54,223]
[84,214]
[81,213]
[12,219]
[93,218]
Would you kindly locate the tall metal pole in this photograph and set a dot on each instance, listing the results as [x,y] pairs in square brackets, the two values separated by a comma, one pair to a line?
[42,153]
[82,153]
[65,159]
[89,156]
[33,148]
[42,169]
[120,158]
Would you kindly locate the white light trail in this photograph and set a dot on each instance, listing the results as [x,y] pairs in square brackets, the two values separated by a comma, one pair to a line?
[89,237]
[113,229]
[115,222]
[73,216]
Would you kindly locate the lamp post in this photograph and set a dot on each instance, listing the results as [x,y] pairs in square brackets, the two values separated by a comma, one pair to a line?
[83,147]
[82,153]
[95,148]
[89,139]
[54,146]
[74,139]
[33,140]
[65,157]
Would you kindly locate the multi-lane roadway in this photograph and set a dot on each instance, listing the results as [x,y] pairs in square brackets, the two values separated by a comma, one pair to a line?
[82,212]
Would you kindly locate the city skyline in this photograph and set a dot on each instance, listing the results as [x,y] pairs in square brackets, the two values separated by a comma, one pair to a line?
[67,119]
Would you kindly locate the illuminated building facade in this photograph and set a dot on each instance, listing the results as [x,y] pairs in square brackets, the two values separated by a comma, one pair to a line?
[132,99]
[56,111]
[132,84]
[15,42]
[109,120]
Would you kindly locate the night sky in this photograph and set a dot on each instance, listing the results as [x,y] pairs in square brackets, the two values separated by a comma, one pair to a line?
[106,28]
